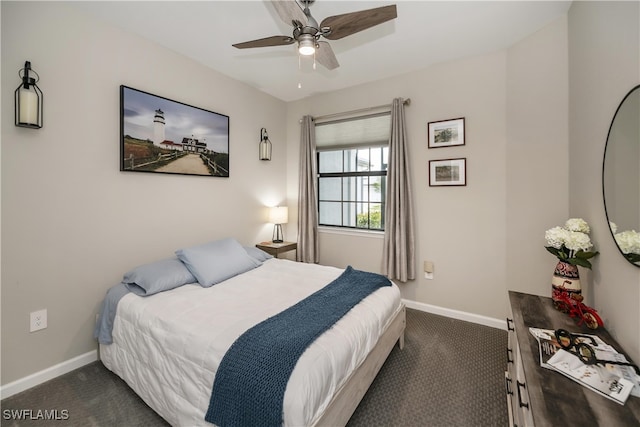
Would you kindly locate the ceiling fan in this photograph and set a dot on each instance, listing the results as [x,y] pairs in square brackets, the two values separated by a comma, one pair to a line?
[307,32]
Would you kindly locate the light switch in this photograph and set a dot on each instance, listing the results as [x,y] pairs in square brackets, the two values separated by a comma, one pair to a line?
[428,267]
[428,270]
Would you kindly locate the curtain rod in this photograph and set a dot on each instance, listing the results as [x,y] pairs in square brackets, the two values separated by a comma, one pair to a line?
[361,110]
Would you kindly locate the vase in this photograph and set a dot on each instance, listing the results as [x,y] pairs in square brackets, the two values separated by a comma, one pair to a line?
[566,279]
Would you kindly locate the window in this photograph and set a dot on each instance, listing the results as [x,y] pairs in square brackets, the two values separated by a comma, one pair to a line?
[352,171]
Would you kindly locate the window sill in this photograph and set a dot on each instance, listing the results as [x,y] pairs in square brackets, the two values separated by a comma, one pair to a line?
[351,232]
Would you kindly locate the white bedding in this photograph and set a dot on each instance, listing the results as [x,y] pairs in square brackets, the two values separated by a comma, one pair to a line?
[167,347]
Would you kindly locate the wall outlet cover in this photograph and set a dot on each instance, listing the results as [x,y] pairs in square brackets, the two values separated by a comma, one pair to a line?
[37,320]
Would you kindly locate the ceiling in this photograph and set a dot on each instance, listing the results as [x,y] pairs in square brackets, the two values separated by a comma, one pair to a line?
[425,33]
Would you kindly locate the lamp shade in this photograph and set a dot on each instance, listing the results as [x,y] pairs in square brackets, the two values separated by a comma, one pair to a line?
[279,215]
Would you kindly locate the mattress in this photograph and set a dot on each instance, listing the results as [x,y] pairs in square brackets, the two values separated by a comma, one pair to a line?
[168,346]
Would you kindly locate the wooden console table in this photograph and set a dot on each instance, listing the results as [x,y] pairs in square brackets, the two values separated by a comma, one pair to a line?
[547,398]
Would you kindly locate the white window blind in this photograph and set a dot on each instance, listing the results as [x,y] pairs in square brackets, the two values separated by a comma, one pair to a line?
[354,132]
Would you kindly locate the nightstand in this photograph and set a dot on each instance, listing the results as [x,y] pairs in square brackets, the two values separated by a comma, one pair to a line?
[277,248]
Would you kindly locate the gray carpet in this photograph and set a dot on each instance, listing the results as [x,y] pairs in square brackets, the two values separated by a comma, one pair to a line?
[450,373]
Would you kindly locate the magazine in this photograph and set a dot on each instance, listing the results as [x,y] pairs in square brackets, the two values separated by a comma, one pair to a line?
[615,382]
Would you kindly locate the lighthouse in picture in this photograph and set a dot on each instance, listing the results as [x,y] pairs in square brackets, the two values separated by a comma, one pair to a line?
[158,128]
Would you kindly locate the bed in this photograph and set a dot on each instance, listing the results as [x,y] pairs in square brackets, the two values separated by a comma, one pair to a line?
[169,346]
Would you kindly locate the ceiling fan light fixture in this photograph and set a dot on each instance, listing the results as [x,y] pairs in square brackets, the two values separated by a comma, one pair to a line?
[307,32]
[306,45]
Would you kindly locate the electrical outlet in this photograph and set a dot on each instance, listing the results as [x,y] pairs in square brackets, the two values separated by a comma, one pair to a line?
[38,320]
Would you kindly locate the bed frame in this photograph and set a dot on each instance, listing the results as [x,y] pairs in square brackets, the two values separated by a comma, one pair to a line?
[346,400]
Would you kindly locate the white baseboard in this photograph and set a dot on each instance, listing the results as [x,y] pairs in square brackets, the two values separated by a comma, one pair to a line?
[47,374]
[455,314]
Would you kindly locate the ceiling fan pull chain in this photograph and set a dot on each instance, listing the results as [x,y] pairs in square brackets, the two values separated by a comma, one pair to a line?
[299,71]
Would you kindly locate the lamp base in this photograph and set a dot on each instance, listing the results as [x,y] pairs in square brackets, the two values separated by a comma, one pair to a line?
[277,234]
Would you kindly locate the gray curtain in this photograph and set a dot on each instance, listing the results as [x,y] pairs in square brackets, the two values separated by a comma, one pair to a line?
[307,195]
[398,255]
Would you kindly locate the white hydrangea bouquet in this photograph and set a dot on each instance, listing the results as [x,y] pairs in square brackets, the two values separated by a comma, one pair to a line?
[628,241]
[571,243]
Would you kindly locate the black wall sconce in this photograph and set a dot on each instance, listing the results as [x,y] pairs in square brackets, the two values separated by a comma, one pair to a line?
[29,99]
[265,145]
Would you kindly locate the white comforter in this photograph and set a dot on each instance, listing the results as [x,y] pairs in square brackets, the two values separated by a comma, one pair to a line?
[168,346]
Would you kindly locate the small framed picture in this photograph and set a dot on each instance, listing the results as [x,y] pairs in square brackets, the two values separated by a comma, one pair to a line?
[447,172]
[446,133]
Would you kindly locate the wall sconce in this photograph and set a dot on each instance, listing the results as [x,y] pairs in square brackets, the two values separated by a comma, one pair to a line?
[278,215]
[265,145]
[28,104]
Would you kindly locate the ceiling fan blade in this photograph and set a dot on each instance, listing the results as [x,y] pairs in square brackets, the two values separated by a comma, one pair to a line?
[265,42]
[289,11]
[326,57]
[351,23]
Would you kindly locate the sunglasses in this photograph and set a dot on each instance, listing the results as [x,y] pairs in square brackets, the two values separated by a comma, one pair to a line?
[584,351]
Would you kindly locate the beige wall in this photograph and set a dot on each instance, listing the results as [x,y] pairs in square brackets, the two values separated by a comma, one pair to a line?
[72,224]
[486,237]
[537,154]
[604,64]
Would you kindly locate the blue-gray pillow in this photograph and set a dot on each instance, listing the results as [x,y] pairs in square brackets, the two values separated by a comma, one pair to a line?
[217,261]
[258,254]
[157,276]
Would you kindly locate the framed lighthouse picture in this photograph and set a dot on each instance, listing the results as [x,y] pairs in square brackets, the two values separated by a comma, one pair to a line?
[160,135]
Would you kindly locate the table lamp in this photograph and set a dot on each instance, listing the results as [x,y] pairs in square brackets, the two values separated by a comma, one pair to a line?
[278,215]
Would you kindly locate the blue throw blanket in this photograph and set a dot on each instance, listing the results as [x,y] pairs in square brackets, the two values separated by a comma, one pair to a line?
[249,385]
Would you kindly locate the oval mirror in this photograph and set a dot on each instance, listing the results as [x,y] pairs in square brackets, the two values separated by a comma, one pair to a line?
[621,177]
